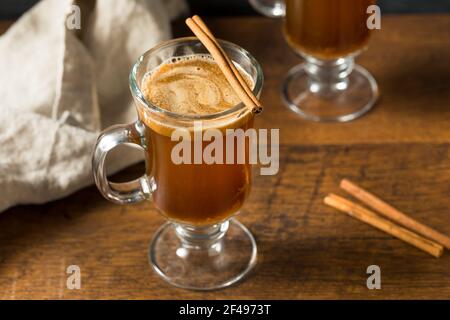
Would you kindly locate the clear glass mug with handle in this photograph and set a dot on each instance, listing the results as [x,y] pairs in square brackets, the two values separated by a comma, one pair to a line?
[328,35]
[201,246]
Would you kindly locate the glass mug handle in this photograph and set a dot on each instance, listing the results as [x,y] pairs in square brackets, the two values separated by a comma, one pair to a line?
[270,8]
[127,192]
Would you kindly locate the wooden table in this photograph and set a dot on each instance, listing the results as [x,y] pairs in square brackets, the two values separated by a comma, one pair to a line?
[400,151]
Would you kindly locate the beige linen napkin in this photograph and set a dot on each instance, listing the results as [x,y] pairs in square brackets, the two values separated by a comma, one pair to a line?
[58,92]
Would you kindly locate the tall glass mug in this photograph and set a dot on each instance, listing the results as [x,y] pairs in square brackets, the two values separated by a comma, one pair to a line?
[201,246]
[328,34]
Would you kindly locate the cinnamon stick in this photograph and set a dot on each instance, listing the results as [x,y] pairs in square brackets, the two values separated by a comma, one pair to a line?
[237,74]
[394,214]
[230,72]
[385,225]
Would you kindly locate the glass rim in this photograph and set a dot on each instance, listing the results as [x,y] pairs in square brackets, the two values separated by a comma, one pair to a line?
[135,88]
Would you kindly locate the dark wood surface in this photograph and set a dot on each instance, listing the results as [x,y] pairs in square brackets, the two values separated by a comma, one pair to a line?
[400,151]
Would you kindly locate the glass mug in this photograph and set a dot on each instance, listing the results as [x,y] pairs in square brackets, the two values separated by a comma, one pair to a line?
[328,34]
[201,246]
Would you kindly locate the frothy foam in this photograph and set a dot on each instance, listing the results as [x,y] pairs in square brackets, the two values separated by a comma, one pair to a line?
[191,85]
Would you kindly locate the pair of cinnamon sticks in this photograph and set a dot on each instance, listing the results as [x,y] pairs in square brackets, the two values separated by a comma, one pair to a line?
[418,235]
[225,64]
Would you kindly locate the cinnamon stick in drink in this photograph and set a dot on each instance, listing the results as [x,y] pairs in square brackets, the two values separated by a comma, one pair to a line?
[205,36]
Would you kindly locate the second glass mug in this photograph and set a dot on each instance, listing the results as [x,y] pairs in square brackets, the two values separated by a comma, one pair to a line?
[328,34]
[201,247]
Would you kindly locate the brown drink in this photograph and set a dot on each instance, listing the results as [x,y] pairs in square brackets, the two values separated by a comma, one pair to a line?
[327,29]
[196,194]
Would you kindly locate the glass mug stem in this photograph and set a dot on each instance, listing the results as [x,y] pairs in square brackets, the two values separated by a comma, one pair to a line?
[328,75]
[201,237]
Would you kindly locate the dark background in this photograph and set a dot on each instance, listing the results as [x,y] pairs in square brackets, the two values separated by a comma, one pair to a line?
[10,9]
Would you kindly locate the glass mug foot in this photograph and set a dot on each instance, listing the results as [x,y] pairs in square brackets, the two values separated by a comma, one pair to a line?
[203,258]
[339,92]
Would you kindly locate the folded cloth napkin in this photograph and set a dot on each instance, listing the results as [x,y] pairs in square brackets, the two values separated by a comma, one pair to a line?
[60,87]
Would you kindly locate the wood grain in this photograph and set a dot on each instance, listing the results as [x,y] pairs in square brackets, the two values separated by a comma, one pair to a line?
[400,151]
